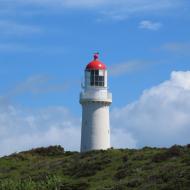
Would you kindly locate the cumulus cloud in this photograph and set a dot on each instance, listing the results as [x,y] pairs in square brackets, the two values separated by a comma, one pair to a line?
[161,116]
[21,129]
[122,138]
[149,25]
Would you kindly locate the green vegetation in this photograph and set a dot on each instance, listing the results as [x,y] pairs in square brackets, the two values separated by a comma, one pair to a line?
[116,169]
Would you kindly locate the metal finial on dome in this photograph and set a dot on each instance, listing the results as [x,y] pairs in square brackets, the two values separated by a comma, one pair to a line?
[96,56]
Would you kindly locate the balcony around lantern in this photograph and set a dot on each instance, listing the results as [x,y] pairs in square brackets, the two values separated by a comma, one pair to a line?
[98,96]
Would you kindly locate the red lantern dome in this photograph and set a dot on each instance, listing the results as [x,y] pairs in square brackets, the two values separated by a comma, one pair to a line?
[96,64]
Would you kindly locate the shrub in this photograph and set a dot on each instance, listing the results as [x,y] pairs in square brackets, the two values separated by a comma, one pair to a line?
[49,151]
[174,151]
[119,187]
[84,168]
[122,173]
[135,182]
[125,158]
[74,186]
[160,157]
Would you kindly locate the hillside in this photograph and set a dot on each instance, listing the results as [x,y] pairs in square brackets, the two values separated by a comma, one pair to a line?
[116,169]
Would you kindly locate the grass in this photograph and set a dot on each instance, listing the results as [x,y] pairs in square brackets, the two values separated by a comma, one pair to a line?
[52,168]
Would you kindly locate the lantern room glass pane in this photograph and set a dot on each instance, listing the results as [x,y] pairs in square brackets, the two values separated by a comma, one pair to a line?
[97,78]
[101,73]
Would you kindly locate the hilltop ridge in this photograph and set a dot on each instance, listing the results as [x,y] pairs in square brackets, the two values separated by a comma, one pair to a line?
[52,168]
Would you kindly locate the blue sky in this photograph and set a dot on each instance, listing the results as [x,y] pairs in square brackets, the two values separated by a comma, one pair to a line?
[45,46]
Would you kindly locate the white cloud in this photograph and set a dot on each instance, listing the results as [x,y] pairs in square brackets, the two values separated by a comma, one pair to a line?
[27,48]
[114,16]
[161,116]
[37,84]
[122,138]
[131,4]
[126,67]
[32,84]
[21,129]
[117,10]
[182,48]
[8,27]
[149,25]
[7,47]
[85,3]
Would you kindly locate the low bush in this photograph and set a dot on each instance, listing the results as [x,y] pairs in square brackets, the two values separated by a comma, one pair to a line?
[174,151]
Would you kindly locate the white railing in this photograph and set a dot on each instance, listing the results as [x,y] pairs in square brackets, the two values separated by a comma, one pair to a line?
[96,96]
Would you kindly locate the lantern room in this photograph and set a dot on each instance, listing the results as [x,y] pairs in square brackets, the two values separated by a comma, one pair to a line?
[96,74]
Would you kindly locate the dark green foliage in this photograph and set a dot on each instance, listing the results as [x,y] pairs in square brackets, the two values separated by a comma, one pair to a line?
[86,164]
[174,151]
[52,168]
[75,186]
[49,151]
[119,187]
[121,173]
[125,158]
[135,182]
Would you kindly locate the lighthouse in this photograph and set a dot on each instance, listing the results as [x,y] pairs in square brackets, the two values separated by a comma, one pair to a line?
[95,100]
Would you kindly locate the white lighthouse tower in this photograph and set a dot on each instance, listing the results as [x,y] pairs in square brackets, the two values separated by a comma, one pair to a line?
[95,100]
